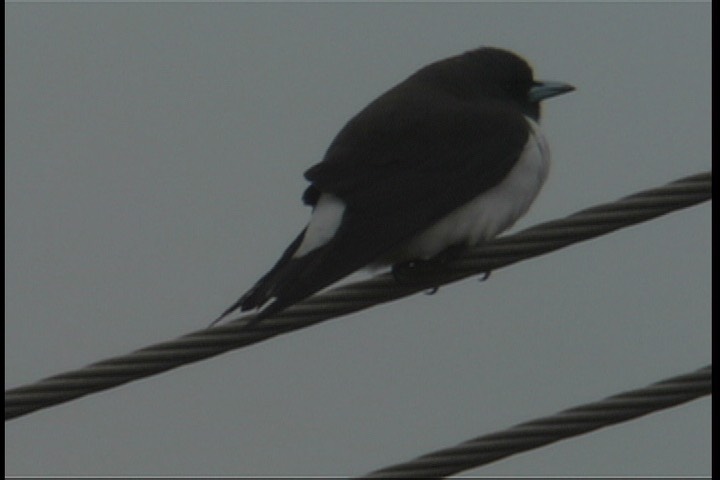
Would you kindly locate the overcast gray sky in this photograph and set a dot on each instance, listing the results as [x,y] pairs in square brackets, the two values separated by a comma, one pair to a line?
[153,171]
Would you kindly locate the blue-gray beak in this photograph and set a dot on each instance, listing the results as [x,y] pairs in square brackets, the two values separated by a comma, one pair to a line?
[546,89]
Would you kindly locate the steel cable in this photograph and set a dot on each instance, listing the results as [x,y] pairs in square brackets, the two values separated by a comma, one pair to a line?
[543,431]
[349,298]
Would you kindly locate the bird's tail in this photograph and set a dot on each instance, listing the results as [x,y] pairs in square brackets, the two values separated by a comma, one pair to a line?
[265,288]
[294,279]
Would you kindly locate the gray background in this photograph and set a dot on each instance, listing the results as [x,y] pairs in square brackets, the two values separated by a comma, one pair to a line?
[154,160]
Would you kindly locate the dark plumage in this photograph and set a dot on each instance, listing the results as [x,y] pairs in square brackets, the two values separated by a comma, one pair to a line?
[445,135]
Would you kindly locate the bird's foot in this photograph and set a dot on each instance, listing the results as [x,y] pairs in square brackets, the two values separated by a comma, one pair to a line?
[413,271]
[416,270]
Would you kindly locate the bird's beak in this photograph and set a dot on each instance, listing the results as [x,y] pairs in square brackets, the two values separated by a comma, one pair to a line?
[546,89]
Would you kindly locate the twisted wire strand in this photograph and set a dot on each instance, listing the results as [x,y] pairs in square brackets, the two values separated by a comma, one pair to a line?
[342,300]
[543,431]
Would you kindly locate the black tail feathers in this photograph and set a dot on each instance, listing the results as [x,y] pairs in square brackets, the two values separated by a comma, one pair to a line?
[264,289]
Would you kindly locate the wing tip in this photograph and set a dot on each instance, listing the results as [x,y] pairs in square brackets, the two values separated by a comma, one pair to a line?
[253,298]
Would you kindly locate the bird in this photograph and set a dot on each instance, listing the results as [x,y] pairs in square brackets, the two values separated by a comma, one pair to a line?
[447,159]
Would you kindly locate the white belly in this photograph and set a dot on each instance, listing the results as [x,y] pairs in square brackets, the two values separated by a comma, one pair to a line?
[491,212]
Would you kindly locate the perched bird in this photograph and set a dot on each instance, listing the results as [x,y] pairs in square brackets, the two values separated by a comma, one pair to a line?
[448,158]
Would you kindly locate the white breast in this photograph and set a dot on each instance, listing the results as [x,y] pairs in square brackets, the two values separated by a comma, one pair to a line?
[491,212]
